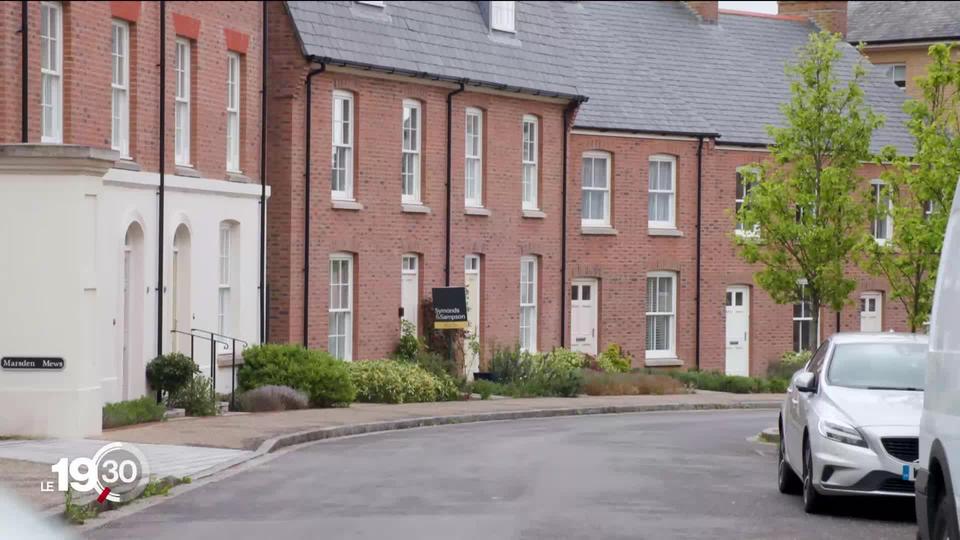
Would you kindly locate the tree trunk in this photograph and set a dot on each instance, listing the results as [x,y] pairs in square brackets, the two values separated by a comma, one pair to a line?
[815,326]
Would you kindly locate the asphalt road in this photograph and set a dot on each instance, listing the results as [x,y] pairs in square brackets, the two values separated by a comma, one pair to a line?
[652,475]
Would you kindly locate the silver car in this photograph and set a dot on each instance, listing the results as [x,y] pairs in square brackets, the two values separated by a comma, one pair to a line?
[850,423]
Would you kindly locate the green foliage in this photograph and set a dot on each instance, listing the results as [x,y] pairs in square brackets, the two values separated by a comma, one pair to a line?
[614,360]
[410,345]
[803,204]
[322,377]
[719,382]
[909,261]
[636,383]
[566,357]
[487,388]
[788,364]
[135,411]
[196,397]
[527,375]
[392,381]
[509,365]
[77,514]
[170,372]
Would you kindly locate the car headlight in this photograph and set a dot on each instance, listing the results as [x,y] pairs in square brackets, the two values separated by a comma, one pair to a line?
[840,432]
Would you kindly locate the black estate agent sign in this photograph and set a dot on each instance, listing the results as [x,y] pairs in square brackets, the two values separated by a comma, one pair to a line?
[450,308]
[13,362]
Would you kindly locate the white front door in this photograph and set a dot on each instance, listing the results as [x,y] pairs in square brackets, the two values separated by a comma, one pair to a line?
[410,289]
[583,316]
[738,331]
[471,280]
[871,305]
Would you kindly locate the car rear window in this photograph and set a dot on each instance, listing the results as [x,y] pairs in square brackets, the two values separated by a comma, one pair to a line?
[881,366]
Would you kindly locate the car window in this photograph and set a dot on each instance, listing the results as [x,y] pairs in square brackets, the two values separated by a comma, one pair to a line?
[879,366]
[816,362]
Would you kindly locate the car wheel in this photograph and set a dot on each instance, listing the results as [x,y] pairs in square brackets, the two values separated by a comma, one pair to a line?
[812,501]
[787,480]
[944,523]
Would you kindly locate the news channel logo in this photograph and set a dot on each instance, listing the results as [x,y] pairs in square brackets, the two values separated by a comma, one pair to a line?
[118,472]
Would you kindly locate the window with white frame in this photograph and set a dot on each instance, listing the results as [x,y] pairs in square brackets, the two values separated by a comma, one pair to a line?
[596,190]
[223,299]
[120,85]
[181,67]
[528,304]
[928,208]
[473,159]
[531,177]
[661,314]
[51,72]
[341,182]
[340,335]
[233,112]
[897,73]
[410,167]
[883,219]
[503,16]
[747,177]
[805,334]
[662,192]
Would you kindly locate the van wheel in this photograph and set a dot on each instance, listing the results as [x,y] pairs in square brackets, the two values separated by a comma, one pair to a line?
[945,521]
[787,481]
[812,501]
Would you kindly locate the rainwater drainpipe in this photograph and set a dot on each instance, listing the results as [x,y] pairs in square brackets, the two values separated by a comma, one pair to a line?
[446,267]
[563,219]
[263,178]
[160,191]
[24,50]
[308,107]
[699,239]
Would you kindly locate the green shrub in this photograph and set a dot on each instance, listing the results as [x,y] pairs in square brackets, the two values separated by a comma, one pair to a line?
[614,360]
[410,345]
[788,364]
[629,384]
[509,365]
[135,411]
[392,381]
[324,379]
[170,372]
[487,388]
[435,363]
[566,357]
[272,398]
[196,398]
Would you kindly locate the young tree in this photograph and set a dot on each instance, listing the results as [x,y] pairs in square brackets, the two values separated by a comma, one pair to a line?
[804,205]
[921,190]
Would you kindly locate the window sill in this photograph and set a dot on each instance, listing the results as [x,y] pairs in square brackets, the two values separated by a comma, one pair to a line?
[663,362]
[127,164]
[413,208]
[345,205]
[598,231]
[530,213]
[476,211]
[237,177]
[663,232]
[186,170]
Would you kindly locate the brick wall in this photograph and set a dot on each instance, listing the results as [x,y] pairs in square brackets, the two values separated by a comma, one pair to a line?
[87,74]
[381,232]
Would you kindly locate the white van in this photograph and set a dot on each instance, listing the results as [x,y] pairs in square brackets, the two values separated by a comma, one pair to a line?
[938,470]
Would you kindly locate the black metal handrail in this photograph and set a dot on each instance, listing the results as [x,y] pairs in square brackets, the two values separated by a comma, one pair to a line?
[227,341]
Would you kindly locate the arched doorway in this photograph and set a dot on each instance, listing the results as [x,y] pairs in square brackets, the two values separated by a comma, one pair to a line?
[131,361]
[180,308]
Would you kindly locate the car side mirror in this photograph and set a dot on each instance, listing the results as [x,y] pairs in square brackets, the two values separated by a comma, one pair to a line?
[806,381]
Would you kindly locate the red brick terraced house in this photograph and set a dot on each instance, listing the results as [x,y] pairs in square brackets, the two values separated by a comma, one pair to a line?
[96,271]
[575,165]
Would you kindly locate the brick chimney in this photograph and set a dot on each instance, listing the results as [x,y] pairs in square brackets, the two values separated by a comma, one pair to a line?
[831,16]
[708,12]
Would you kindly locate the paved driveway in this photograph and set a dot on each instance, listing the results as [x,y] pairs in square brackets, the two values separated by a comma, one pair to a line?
[651,475]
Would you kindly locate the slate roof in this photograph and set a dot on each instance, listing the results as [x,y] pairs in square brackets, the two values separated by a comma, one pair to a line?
[440,39]
[878,22]
[645,66]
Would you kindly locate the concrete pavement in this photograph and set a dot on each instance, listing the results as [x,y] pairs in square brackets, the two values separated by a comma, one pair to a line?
[658,475]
